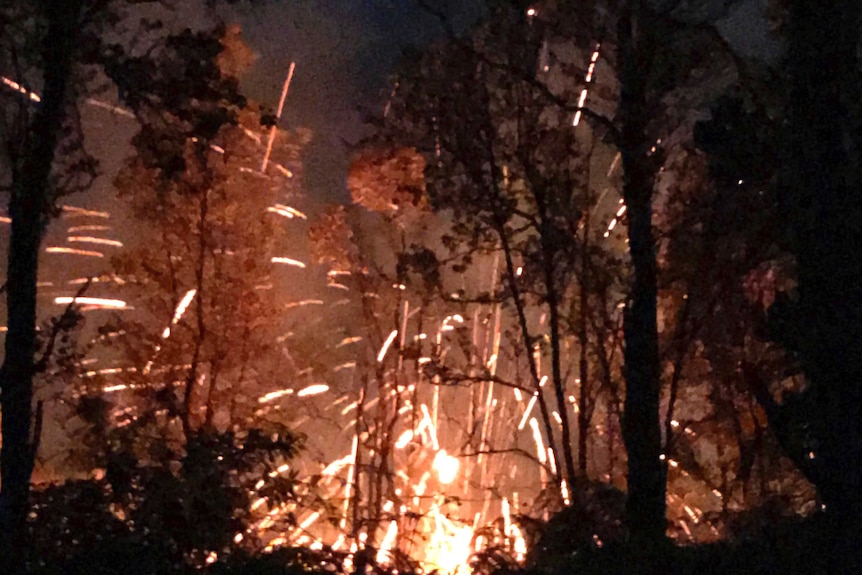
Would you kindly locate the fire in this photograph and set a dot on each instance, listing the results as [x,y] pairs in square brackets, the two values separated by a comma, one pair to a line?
[446,467]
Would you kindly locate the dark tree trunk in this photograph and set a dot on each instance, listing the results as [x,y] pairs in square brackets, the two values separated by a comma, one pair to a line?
[28,208]
[820,195]
[645,505]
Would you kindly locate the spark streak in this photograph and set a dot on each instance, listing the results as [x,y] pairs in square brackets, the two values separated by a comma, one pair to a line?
[315,389]
[288,261]
[386,345]
[93,301]
[92,240]
[274,395]
[73,251]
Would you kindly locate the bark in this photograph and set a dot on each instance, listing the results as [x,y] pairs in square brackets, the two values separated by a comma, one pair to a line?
[28,210]
[645,505]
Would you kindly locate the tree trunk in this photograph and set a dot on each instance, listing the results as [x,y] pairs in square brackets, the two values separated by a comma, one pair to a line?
[820,195]
[28,210]
[645,505]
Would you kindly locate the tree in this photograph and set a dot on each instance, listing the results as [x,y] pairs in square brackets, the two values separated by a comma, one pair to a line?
[638,41]
[30,203]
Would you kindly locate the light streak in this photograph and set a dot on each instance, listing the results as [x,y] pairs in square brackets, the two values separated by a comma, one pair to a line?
[382,353]
[588,78]
[112,388]
[404,439]
[20,89]
[541,454]
[314,389]
[564,491]
[73,211]
[429,424]
[274,395]
[179,311]
[272,131]
[93,301]
[278,470]
[288,261]
[286,211]
[348,341]
[110,107]
[88,228]
[284,170]
[527,411]
[73,251]
[384,552]
[303,303]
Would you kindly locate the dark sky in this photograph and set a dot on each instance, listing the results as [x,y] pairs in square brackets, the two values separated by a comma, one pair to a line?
[345,51]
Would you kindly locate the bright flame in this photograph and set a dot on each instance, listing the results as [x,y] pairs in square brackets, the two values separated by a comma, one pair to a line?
[446,467]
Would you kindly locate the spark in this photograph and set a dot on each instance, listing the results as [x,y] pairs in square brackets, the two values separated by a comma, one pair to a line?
[564,491]
[350,407]
[92,301]
[404,439]
[284,170]
[527,411]
[179,311]
[386,345]
[537,437]
[20,89]
[315,389]
[278,470]
[272,131]
[386,545]
[88,228]
[288,261]
[75,211]
[274,395]
[74,251]
[286,211]
[112,388]
[348,341]
[303,303]
[588,79]
[110,107]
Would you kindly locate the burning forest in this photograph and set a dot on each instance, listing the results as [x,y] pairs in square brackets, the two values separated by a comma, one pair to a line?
[573,313]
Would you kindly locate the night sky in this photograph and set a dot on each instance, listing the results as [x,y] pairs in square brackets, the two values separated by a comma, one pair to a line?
[345,52]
